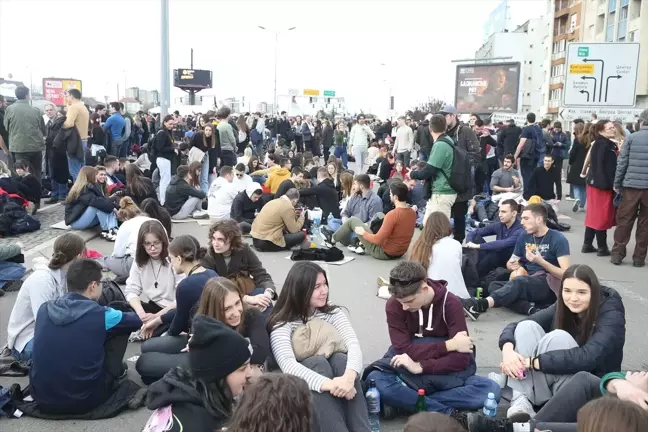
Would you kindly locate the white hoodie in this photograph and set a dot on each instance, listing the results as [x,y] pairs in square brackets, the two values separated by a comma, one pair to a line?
[220,197]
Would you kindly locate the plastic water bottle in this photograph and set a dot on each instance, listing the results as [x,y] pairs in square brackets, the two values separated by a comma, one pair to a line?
[490,406]
[317,235]
[328,219]
[373,406]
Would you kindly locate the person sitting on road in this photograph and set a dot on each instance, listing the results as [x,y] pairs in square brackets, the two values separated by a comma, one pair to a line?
[583,331]
[138,186]
[294,182]
[278,225]
[183,200]
[201,393]
[277,176]
[326,194]
[29,187]
[151,274]
[506,179]
[394,236]
[334,378]
[12,267]
[241,180]
[496,253]
[154,210]
[87,373]
[221,195]
[246,205]
[430,349]
[260,173]
[113,184]
[538,262]
[542,181]
[432,422]
[123,254]
[47,282]
[438,252]
[86,206]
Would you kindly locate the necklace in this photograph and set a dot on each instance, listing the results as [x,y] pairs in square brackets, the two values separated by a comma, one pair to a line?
[155,276]
[541,241]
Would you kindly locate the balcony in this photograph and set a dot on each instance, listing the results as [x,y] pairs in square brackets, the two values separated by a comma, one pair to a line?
[558,55]
[556,79]
[561,4]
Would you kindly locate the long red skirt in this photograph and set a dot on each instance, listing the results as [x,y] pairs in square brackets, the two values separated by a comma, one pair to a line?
[600,214]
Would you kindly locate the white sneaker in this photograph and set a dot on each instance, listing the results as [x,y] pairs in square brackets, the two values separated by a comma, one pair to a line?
[360,250]
[521,410]
[500,379]
[200,214]
[383,292]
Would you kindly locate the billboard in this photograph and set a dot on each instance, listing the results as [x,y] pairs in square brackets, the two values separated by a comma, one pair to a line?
[55,89]
[484,88]
[192,79]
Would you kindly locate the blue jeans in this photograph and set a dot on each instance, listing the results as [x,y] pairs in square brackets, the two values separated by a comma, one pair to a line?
[59,190]
[580,195]
[423,156]
[471,396]
[92,216]
[335,225]
[204,174]
[259,179]
[74,164]
[124,148]
[10,271]
[26,353]
[341,153]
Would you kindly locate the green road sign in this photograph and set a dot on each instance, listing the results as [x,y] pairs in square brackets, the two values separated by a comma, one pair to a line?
[583,51]
[329,93]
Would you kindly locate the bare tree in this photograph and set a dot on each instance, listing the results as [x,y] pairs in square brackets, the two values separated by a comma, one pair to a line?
[419,112]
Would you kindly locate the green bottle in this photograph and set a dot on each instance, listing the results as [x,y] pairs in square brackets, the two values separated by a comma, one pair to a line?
[420,402]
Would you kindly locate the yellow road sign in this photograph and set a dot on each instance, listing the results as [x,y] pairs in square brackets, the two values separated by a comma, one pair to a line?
[581,68]
[311,92]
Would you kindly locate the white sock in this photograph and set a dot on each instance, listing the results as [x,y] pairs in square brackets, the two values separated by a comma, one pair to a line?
[516,395]
[522,427]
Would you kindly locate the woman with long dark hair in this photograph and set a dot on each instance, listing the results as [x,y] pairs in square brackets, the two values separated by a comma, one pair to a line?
[138,186]
[164,151]
[207,141]
[583,331]
[334,382]
[153,209]
[577,155]
[243,137]
[600,192]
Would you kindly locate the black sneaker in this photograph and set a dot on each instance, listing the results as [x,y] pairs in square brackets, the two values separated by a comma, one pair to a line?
[13,286]
[328,234]
[480,423]
[461,417]
[124,372]
[638,263]
[588,248]
[473,307]
[603,252]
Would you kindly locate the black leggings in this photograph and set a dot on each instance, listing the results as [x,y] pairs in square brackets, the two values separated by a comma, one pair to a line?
[160,355]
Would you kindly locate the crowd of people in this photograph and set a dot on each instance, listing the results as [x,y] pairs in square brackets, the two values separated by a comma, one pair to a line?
[223,347]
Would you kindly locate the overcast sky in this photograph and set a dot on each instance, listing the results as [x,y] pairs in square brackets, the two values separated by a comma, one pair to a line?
[337,45]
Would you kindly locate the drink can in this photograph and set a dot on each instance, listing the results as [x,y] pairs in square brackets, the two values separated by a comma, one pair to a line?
[479,292]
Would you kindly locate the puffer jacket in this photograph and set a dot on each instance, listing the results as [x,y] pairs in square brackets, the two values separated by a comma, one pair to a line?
[603,351]
[632,166]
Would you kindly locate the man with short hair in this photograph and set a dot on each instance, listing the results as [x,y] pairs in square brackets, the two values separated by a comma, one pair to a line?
[113,184]
[560,145]
[221,195]
[430,349]
[506,179]
[278,176]
[114,126]
[241,179]
[227,137]
[25,127]
[404,143]
[543,254]
[296,179]
[87,373]
[365,203]
[324,193]
[394,235]
[100,110]
[424,139]
[359,138]
[183,200]
[124,149]
[508,138]
[530,150]
[246,205]
[496,253]
[278,225]
[542,181]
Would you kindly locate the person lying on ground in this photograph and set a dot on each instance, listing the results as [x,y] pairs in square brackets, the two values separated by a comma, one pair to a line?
[86,206]
[221,195]
[541,255]
[332,376]
[84,375]
[436,356]
[47,282]
[326,194]
[278,225]
[246,205]
[294,182]
[152,274]
[391,240]
[202,392]
[496,253]
[183,200]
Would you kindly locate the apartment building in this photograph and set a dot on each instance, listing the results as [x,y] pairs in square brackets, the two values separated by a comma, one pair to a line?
[620,21]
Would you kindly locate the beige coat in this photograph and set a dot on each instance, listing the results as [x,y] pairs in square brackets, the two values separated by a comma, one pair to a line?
[275,217]
[317,338]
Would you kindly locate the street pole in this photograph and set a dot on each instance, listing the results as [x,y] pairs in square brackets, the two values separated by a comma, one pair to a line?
[165,91]
[274,104]
[192,93]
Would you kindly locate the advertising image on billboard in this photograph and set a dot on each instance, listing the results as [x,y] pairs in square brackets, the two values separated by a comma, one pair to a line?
[192,79]
[484,88]
[55,89]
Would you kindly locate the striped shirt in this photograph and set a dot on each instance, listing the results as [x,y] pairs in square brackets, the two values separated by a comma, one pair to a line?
[281,344]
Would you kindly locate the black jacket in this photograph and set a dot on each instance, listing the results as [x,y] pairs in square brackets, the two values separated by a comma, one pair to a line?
[465,138]
[60,171]
[424,138]
[602,353]
[327,198]
[577,157]
[384,168]
[27,187]
[327,137]
[509,138]
[163,145]
[140,196]
[284,129]
[541,184]
[177,194]
[284,186]
[243,208]
[90,196]
[186,404]
[242,260]
[69,140]
[603,162]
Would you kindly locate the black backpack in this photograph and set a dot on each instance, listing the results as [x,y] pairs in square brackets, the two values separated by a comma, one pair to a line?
[528,151]
[461,178]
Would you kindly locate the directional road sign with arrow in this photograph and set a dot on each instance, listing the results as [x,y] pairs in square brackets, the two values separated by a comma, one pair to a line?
[601,74]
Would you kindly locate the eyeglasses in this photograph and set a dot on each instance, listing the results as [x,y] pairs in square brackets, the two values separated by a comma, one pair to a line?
[156,244]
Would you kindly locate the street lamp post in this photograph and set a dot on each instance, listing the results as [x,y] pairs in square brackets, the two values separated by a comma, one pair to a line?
[274,102]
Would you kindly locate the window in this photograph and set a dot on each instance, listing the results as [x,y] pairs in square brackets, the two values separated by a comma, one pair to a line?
[624,13]
[600,23]
[612,6]
[609,34]
[530,61]
[572,24]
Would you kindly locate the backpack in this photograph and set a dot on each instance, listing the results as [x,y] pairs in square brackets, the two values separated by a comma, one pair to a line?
[460,178]
[528,151]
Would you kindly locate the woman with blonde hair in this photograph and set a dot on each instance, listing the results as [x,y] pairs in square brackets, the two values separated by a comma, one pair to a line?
[438,252]
[87,206]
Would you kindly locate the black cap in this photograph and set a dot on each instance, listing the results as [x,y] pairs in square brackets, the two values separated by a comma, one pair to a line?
[215,350]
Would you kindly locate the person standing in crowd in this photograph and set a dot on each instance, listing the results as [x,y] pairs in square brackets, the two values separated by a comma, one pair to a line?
[278,225]
[560,151]
[114,126]
[600,188]
[583,331]
[243,134]
[284,129]
[79,117]
[317,137]
[164,152]
[577,155]
[48,119]
[334,382]
[227,139]
[4,134]
[508,138]
[307,130]
[125,147]
[299,139]
[631,182]
[205,141]
[424,139]
[488,165]
[404,141]
[359,138]
[25,127]
[530,150]
[327,138]
[340,138]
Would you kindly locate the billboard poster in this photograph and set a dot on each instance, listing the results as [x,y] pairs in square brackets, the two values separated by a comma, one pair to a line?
[55,89]
[484,88]
[192,79]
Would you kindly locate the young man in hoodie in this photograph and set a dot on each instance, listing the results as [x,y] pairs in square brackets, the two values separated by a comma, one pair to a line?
[246,206]
[296,179]
[430,348]
[86,372]
[277,176]
[221,194]
[182,199]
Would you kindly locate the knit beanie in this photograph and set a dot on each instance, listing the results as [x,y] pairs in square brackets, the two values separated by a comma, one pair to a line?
[215,350]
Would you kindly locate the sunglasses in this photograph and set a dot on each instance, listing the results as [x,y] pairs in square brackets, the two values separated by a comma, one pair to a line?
[239,175]
[404,282]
